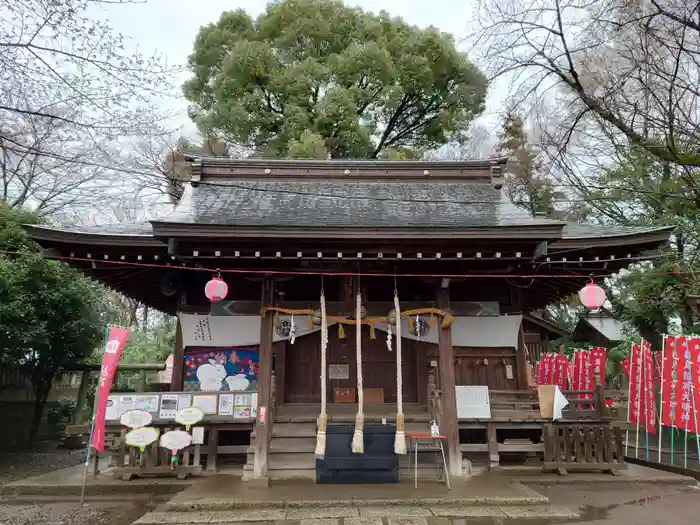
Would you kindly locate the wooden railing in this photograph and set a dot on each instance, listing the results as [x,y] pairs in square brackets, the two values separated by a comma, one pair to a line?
[593,446]
[520,410]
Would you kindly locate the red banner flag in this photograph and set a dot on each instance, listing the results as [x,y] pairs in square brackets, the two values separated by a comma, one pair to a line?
[635,398]
[599,359]
[561,372]
[693,356]
[626,366]
[648,393]
[668,376]
[545,369]
[116,341]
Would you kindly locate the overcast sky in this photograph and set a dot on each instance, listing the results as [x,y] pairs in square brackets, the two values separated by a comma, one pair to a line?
[170,26]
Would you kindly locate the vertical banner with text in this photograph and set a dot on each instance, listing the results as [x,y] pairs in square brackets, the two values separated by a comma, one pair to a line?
[635,396]
[116,341]
[648,388]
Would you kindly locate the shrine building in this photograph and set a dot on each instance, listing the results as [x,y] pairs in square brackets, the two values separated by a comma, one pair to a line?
[467,267]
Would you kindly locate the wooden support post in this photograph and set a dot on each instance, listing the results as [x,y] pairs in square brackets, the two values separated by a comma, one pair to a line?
[142,382]
[494,457]
[212,448]
[280,367]
[178,360]
[448,423]
[79,412]
[262,434]
[521,360]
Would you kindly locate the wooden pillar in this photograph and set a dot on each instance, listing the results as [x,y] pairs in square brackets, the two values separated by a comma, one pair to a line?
[280,376]
[448,424]
[262,434]
[521,360]
[79,413]
[178,359]
[142,381]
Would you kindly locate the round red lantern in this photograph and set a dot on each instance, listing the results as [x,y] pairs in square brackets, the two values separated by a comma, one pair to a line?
[592,296]
[216,289]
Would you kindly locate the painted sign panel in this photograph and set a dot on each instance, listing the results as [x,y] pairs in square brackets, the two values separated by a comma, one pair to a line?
[221,370]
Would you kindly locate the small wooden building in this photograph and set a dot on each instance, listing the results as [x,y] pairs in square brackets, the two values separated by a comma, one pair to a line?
[440,234]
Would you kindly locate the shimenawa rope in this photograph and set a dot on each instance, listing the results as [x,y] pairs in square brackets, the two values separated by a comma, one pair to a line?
[358,436]
[323,417]
[400,439]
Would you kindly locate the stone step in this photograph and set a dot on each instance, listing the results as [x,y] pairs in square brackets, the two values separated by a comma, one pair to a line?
[409,513]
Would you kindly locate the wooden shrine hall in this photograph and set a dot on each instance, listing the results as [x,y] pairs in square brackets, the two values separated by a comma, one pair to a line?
[440,239]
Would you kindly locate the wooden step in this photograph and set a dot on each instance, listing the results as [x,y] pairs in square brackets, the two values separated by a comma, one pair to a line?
[291,461]
[294,430]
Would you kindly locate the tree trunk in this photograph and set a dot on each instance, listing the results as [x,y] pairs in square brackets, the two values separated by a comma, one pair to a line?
[41,394]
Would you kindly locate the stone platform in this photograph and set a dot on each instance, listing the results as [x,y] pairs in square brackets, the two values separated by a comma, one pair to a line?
[229,493]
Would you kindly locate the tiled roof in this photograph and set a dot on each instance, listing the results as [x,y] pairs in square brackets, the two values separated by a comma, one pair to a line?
[129,229]
[587,231]
[359,204]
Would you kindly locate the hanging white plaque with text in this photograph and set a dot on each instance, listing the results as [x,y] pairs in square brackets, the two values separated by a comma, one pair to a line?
[339,371]
[473,402]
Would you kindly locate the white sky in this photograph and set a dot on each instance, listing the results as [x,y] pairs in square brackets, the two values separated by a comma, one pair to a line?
[170,26]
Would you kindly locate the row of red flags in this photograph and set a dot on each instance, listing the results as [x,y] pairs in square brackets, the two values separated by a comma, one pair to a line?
[579,374]
[677,372]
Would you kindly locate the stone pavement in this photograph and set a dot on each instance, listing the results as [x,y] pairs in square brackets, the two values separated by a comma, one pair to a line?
[223,492]
[347,515]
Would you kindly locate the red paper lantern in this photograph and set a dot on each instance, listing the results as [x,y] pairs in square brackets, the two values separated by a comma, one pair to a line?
[592,296]
[216,289]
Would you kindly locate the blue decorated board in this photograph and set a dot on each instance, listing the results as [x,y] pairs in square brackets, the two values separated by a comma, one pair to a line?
[221,370]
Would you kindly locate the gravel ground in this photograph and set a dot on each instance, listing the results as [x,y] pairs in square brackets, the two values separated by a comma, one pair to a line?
[67,514]
[20,465]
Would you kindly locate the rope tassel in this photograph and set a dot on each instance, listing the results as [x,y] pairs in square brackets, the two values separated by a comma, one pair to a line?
[358,445]
[323,417]
[400,439]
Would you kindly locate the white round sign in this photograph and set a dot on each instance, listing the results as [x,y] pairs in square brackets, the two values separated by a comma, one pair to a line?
[141,437]
[189,416]
[175,440]
[136,418]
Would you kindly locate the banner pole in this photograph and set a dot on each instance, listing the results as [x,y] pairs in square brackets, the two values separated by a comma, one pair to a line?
[661,401]
[686,363]
[646,399]
[692,397]
[638,403]
[92,429]
[629,403]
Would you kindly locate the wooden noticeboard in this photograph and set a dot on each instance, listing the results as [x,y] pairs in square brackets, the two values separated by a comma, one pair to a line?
[473,402]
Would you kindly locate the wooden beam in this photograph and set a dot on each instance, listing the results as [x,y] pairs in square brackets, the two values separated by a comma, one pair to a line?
[521,360]
[178,360]
[448,423]
[262,433]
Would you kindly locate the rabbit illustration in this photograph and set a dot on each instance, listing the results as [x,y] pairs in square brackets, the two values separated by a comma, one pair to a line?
[237,383]
[210,376]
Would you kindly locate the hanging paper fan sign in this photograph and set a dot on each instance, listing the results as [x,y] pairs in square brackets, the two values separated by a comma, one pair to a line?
[141,437]
[174,441]
[216,289]
[189,416]
[136,418]
[592,296]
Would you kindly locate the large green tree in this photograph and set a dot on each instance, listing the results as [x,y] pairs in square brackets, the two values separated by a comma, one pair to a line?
[316,78]
[47,314]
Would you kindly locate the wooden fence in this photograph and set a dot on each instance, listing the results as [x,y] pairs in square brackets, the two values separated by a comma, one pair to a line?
[593,446]
[129,462]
